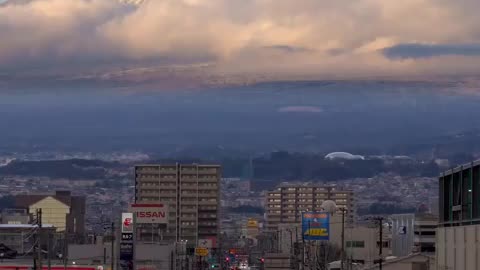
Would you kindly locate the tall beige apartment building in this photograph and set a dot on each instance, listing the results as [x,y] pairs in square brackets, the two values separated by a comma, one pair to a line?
[286,203]
[192,195]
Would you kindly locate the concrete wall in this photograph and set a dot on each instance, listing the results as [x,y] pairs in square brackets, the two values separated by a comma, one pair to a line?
[147,256]
[411,262]
[458,248]
[89,254]
[277,261]
[369,235]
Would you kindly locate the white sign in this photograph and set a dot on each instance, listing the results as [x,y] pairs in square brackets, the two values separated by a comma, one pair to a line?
[127,223]
[402,230]
[150,213]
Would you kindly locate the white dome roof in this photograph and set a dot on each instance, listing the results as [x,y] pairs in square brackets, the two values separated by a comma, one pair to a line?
[343,155]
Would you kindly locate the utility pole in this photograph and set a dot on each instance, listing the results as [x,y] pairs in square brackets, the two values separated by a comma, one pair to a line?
[39,244]
[113,247]
[342,254]
[303,252]
[49,252]
[380,249]
[380,224]
[35,242]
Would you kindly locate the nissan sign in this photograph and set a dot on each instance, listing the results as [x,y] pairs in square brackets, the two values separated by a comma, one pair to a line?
[150,213]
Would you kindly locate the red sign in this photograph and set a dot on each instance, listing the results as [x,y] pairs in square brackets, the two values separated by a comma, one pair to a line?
[127,222]
[150,213]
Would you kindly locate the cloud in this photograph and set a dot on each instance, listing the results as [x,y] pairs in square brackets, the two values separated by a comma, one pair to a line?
[402,51]
[284,36]
[287,49]
[300,109]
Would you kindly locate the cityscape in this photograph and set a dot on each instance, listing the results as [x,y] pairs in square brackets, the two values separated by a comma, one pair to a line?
[210,221]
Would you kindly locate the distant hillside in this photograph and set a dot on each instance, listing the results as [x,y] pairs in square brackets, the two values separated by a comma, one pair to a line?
[75,169]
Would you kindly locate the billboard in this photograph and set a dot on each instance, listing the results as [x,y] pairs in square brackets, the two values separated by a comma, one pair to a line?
[315,225]
[127,222]
[150,213]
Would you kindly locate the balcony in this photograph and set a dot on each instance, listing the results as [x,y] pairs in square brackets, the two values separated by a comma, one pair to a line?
[188,226]
[189,180]
[189,171]
[207,232]
[142,179]
[212,171]
[172,170]
[208,180]
[211,216]
[188,210]
[150,169]
[189,195]
[203,187]
[188,202]
[148,189]
[189,187]
[212,195]
[208,203]
[168,180]
[207,225]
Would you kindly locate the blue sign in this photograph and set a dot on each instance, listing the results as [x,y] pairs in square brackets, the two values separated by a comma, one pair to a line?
[316,226]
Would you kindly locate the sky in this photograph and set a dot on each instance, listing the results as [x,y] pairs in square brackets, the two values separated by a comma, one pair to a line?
[294,37]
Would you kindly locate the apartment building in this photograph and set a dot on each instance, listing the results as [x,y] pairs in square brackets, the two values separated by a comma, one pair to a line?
[191,192]
[286,203]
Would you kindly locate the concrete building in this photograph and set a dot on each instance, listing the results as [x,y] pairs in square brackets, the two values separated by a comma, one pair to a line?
[192,194]
[458,245]
[361,240]
[286,203]
[19,237]
[15,216]
[362,244]
[62,210]
[413,233]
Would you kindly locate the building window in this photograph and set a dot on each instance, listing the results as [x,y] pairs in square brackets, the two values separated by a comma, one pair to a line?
[356,244]
[385,244]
